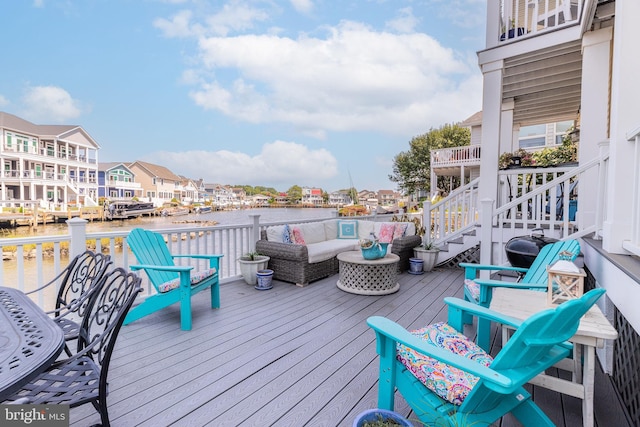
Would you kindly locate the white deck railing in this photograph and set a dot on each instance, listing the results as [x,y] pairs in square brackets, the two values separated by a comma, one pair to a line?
[522,18]
[32,261]
[528,198]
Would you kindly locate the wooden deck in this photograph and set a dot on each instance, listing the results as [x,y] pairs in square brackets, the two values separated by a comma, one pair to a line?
[289,356]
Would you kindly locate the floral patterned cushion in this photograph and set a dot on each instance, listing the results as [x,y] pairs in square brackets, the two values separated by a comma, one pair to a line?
[399,230]
[298,238]
[473,288]
[448,382]
[386,233]
[196,277]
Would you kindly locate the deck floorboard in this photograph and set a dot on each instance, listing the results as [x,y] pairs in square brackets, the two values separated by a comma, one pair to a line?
[289,356]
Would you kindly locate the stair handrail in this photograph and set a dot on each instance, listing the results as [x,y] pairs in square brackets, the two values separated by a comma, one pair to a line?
[453,214]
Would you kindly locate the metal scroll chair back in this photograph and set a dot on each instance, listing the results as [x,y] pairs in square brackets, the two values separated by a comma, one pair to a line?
[82,378]
[76,284]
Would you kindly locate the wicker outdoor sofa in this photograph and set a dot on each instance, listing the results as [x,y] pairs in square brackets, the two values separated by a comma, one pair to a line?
[315,258]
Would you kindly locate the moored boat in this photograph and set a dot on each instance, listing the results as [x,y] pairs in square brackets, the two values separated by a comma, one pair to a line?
[129,209]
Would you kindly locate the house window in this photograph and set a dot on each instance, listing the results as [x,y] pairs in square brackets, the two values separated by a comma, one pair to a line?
[532,136]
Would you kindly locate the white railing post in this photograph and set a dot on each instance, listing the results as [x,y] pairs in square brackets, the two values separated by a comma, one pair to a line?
[602,182]
[426,221]
[78,233]
[486,231]
[255,231]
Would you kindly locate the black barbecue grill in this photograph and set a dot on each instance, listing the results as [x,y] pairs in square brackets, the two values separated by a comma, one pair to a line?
[522,250]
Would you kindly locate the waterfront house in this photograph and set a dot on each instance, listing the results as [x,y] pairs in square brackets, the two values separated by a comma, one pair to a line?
[312,196]
[159,184]
[189,192]
[117,182]
[546,64]
[49,166]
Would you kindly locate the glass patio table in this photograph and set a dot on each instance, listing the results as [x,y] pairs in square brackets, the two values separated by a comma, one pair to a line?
[30,341]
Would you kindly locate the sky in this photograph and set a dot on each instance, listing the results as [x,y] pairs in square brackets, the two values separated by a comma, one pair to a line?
[315,93]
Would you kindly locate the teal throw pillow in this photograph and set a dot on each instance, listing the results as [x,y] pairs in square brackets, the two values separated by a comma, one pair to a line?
[347,229]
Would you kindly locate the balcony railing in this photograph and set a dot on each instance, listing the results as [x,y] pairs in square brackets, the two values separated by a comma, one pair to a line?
[522,18]
[455,156]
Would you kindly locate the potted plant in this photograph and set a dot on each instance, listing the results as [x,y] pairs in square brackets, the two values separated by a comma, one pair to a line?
[380,418]
[428,253]
[250,263]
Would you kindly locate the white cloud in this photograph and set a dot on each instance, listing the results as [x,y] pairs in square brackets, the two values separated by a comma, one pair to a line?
[234,16]
[49,104]
[354,79]
[405,22]
[302,6]
[278,162]
[3,101]
[38,3]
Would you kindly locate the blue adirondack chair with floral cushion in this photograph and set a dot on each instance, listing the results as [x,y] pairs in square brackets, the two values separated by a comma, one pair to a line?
[173,283]
[449,380]
[535,277]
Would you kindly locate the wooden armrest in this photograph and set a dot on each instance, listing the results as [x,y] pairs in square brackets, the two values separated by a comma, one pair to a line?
[176,268]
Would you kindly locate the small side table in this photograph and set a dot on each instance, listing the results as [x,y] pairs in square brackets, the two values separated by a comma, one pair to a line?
[368,277]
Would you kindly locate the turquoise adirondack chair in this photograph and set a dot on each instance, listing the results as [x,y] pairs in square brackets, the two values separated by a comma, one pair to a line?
[464,385]
[535,277]
[173,283]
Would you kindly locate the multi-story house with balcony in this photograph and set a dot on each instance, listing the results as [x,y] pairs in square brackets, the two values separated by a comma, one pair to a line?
[159,184]
[312,196]
[51,166]
[190,192]
[117,182]
[547,63]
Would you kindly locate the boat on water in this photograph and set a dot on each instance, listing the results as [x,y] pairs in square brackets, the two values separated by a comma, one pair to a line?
[129,209]
[203,209]
[175,211]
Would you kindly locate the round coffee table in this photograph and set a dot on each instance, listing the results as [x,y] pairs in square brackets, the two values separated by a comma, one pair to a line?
[368,277]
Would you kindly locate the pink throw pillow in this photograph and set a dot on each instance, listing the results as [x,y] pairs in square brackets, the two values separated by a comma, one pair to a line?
[298,238]
[400,230]
[386,233]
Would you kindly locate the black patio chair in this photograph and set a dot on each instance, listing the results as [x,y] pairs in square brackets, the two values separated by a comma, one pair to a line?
[82,378]
[77,282]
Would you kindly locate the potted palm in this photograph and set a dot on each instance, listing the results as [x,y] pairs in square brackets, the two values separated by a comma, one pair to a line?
[428,253]
[250,263]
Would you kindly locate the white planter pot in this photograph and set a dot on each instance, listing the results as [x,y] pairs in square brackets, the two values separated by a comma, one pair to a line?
[429,257]
[249,269]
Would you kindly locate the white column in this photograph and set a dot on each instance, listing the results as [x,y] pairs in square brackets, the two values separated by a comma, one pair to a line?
[508,141]
[491,116]
[594,113]
[625,92]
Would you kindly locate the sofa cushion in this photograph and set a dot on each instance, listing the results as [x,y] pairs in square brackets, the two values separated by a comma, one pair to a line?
[328,249]
[313,232]
[274,233]
[365,228]
[446,381]
[331,228]
[347,229]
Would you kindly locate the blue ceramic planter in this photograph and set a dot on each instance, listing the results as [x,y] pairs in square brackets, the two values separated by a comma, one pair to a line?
[375,414]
